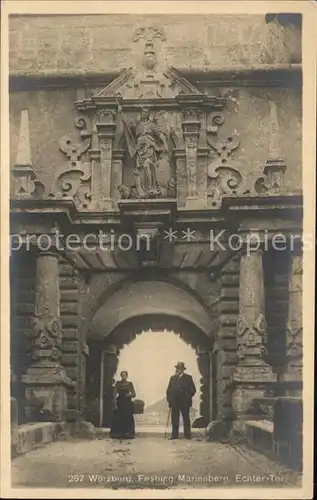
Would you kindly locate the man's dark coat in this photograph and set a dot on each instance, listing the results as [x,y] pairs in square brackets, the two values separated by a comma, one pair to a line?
[180,391]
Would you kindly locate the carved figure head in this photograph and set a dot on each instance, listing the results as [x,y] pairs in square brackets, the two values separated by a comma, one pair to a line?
[146,115]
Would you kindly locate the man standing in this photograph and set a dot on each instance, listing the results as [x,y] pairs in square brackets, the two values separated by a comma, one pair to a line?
[179,394]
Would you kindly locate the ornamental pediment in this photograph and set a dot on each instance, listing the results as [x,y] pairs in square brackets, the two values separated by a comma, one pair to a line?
[132,84]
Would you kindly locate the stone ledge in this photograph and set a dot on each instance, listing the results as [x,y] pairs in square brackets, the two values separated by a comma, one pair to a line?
[259,435]
[33,435]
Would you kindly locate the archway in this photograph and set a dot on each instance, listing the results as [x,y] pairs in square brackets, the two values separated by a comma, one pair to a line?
[150,360]
[135,308]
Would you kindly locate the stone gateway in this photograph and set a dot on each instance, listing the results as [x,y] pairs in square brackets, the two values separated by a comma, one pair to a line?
[159,140]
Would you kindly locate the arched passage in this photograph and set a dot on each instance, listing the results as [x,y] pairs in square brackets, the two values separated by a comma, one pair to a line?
[135,308]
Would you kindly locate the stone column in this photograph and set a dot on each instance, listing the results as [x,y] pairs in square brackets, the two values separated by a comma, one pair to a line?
[253,374]
[45,379]
[292,377]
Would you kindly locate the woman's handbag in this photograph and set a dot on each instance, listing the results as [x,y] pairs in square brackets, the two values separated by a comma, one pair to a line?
[138,406]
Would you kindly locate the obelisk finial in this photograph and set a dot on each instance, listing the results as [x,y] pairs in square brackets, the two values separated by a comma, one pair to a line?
[22,171]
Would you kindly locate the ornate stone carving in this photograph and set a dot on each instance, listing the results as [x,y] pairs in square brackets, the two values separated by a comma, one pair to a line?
[74,181]
[294,329]
[294,342]
[105,116]
[225,179]
[191,130]
[148,140]
[253,374]
[149,33]
[252,339]
[216,119]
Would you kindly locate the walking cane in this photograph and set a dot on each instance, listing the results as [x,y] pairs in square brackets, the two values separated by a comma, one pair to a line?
[168,418]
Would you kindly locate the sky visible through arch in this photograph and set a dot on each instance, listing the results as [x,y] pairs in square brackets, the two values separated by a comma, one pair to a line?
[150,361]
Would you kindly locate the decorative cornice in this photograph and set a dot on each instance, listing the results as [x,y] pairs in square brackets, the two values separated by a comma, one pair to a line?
[263,74]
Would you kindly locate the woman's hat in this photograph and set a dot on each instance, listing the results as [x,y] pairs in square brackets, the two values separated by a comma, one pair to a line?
[181,365]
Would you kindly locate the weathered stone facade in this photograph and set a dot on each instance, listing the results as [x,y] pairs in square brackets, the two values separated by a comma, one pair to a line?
[166,136]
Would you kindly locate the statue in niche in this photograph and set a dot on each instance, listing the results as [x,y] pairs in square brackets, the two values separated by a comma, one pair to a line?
[147,142]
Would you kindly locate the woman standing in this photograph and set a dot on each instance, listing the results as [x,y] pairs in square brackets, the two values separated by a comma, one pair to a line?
[123,426]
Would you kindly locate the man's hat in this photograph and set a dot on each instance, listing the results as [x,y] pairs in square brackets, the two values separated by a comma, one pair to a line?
[181,365]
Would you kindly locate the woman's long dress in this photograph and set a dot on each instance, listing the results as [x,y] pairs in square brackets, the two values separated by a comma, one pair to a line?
[123,426]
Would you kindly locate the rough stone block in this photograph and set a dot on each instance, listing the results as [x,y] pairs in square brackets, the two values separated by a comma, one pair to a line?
[70,359]
[69,320]
[217,430]
[69,333]
[69,308]
[69,295]
[69,346]
[229,307]
[230,293]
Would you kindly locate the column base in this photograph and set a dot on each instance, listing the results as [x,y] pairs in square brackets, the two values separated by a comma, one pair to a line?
[46,389]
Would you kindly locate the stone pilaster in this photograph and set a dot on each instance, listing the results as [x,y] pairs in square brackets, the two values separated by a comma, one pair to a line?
[253,374]
[292,377]
[45,379]
[181,185]
[191,131]
[117,173]
[106,130]
[94,155]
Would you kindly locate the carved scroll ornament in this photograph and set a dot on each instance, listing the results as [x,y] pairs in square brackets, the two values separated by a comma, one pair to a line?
[225,179]
[74,180]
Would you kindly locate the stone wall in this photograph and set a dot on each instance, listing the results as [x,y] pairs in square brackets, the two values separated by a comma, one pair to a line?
[22,310]
[46,45]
